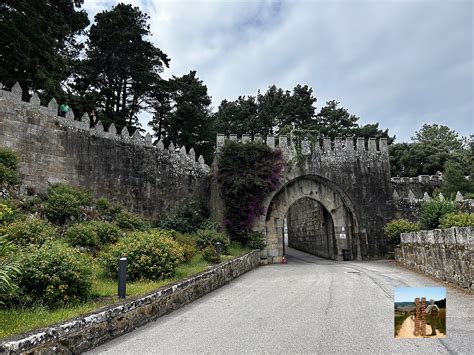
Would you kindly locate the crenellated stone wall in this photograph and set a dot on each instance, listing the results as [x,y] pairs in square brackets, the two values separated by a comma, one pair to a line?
[349,176]
[145,177]
[443,253]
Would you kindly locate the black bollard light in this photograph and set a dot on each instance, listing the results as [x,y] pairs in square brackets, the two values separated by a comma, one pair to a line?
[219,248]
[122,277]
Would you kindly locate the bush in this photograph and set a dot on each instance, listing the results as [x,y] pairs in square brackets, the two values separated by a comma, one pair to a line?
[432,212]
[394,228]
[103,205]
[65,202]
[83,235]
[8,270]
[151,255]
[206,237]
[30,231]
[209,223]
[54,274]
[188,243]
[457,220]
[8,167]
[255,240]
[6,213]
[209,254]
[108,233]
[175,222]
[130,221]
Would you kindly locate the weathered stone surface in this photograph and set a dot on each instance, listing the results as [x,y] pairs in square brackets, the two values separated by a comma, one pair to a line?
[54,149]
[443,253]
[84,333]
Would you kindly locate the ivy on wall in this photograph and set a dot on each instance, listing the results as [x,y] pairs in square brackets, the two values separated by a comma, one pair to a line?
[298,136]
[247,174]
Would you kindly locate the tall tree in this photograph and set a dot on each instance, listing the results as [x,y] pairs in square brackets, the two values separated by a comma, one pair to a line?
[300,109]
[182,115]
[240,117]
[120,65]
[440,136]
[38,42]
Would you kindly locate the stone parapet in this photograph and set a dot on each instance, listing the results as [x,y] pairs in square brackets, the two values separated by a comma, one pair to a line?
[443,253]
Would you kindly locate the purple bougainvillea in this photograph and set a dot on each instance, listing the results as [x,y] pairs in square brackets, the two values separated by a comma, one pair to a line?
[247,174]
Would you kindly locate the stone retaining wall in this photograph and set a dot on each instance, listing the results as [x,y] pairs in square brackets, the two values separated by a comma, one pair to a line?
[89,331]
[443,253]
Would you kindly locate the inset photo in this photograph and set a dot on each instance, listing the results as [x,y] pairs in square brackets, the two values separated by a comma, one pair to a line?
[420,312]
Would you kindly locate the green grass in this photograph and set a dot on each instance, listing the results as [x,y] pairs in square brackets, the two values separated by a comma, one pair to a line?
[104,291]
[399,319]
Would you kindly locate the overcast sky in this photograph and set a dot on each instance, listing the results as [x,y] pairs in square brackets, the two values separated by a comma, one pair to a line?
[401,63]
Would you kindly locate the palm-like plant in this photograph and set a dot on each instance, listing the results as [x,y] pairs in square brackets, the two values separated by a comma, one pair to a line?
[8,268]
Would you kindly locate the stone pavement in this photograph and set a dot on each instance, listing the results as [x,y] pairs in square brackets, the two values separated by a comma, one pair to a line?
[310,305]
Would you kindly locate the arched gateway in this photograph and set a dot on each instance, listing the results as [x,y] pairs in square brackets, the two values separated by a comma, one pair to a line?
[349,182]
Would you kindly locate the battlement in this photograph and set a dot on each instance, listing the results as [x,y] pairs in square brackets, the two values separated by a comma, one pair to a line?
[424,179]
[350,146]
[83,124]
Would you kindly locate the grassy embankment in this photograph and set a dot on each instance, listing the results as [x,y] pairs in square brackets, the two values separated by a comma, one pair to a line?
[19,320]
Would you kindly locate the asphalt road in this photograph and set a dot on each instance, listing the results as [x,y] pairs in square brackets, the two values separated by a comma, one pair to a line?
[310,305]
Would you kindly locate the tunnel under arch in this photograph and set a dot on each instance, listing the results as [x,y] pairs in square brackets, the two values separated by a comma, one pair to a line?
[333,199]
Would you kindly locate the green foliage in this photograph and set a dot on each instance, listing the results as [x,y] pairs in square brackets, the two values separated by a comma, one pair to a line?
[83,235]
[188,121]
[454,180]
[457,219]
[107,233]
[432,146]
[6,213]
[130,221]
[209,254]
[187,219]
[8,167]
[103,205]
[188,243]
[65,202]
[432,212]
[255,240]
[151,255]
[205,237]
[38,42]
[394,228]
[29,231]
[119,81]
[9,268]
[247,174]
[54,274]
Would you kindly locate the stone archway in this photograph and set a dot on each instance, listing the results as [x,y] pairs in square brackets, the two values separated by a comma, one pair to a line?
[331,197]
[309,228]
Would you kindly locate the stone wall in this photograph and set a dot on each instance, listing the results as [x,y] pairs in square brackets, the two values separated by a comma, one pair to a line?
[354,172]
[415,187]
[443,253]
[145,177]
[310,228]
[84,333]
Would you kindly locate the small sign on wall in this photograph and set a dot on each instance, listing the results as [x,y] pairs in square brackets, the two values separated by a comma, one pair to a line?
[342,235]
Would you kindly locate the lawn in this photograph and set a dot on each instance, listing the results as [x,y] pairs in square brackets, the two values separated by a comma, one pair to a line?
[20,320]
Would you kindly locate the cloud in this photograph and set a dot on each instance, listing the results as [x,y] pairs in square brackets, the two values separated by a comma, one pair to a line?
[400,63]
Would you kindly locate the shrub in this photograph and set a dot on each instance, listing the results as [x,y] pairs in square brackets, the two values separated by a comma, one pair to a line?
[130,221]
[457,220]
[432,212]
[65,202]
[54,274]
[175,222]
[151,255]
[8,167]
[83,235]
[206,237]
[8,270]
[103,205]
[30,231]
[108,233]
[209,223]
[188,243]
[394,228]
[255,240]
[209,254]
[6,213]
